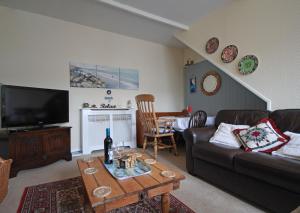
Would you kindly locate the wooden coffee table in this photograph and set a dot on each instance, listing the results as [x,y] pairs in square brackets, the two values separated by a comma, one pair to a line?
[128,191]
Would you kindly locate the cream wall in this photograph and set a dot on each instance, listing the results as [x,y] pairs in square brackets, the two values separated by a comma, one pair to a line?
[189,54]
[35,51]
[270,29]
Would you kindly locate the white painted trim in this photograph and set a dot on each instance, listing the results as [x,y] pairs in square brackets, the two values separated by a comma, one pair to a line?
[267,100]
[145,14]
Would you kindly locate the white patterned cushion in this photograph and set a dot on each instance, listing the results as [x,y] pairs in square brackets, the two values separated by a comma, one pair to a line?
[292,148]
[224,135]
[263,137]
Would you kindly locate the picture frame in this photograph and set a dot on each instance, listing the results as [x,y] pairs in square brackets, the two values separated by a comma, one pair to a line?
[193,84]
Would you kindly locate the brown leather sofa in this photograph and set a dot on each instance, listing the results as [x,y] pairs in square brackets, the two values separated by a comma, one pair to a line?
[271,182]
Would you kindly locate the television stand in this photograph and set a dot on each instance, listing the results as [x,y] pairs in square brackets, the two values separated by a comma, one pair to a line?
[35,148]
[32,129]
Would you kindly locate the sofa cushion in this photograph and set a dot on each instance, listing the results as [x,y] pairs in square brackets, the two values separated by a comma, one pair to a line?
[292,149]
[287,119]
[263,137]
[224,135]
[271,169]
[218,154]
[240,117]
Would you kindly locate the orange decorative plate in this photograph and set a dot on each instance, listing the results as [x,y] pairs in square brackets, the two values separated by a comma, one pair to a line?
[212,45]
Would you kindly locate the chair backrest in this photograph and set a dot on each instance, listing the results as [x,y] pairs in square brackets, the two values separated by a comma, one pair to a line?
[145,105]
[198,119]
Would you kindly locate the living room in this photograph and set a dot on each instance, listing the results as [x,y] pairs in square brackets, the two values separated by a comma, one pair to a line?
[164,42]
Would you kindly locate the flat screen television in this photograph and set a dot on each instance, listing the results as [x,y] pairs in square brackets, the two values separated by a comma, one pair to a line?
[27,106]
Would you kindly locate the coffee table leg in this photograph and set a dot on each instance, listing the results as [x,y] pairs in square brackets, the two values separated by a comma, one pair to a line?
[100,209]
[165,202]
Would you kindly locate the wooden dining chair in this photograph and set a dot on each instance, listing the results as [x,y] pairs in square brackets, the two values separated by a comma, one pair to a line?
[154,128]
[4,176]
[198,119]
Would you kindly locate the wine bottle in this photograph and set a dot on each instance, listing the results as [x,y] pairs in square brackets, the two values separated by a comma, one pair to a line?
[108,154]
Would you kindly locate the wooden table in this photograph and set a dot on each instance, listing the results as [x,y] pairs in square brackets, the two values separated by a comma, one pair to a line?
[182,122]
[139,125]
[128,191]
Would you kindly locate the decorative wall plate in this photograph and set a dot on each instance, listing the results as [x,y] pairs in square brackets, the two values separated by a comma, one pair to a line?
[248,64]
[229,53]
[212,45]
[211,83]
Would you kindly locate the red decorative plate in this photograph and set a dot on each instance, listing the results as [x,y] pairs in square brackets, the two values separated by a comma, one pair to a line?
[212,45]
[229,53]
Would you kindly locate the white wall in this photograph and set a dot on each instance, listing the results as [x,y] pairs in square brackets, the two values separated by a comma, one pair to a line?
[269,29]
[36,50]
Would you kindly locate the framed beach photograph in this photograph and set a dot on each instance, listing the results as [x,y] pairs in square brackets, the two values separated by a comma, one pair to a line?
[129,79]
[84,75]
[99,76]
[93,76]
[109,75]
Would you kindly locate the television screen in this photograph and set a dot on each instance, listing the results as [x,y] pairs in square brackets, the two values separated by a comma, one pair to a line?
[26,106]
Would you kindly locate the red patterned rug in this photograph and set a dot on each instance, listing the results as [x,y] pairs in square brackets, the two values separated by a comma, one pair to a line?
[69,196]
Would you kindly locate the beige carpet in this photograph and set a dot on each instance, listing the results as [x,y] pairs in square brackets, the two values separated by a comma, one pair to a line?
[197,194]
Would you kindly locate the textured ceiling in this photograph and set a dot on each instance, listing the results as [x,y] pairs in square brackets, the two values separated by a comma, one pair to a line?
[102,16]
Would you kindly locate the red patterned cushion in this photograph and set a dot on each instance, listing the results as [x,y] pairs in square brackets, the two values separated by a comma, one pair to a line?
[263,137]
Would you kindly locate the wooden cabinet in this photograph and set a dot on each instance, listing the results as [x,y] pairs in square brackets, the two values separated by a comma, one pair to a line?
[35,148]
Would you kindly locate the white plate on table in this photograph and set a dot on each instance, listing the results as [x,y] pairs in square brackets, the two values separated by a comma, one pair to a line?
[102,191]
[90,170]
[150,161]
[167,173]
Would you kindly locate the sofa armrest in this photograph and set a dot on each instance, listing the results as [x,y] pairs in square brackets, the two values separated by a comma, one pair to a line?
[193,136]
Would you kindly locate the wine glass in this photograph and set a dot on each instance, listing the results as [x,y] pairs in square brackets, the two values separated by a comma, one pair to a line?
[118,148]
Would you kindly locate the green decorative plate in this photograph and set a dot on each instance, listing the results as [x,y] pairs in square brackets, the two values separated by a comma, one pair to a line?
[248,64]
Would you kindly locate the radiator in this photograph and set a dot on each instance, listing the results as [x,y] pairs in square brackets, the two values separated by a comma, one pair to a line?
[122,126]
